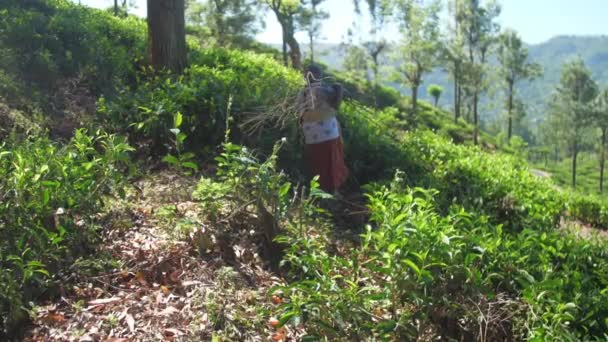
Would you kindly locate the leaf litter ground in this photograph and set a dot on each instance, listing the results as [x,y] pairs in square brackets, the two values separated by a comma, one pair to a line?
[177,280]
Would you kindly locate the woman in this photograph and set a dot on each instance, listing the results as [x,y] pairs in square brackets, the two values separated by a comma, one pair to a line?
[318,104]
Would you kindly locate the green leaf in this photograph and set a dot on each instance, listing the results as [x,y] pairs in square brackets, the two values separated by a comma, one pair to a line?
[286,317]
[527,276]
[187,156]
[387,326]
[46,197]
[43,272]
[284,189]
[190,165]
[172,160]
[399,218]
[412,265]
[51,184]
[178,120]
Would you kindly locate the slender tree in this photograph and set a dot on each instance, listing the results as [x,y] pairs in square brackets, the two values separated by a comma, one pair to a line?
[454,55]
[518,113]
[479,29]
[571,107]
[167,34]
[417,53]
[378,10]
[287,13]
[311,19]
[601,119]
[514,67]
[435,92]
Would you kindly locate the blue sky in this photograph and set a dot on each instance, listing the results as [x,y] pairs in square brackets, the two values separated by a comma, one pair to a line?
[536,20]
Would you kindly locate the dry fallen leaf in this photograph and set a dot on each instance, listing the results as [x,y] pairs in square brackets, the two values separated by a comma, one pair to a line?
[191,283]
[130,322]
[168,311]
[54,318]
[103,301]
[165,290]
[273,322]
[141,278]
[280,335]
[174,276]
[171,334]
[277,300]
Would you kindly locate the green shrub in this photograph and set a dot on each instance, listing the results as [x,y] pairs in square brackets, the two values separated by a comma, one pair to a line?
[457,276]
[220,80]
[588,209]
[43,42]
[48,194]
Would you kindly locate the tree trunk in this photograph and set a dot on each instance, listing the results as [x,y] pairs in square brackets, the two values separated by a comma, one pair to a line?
[285,60]
[116,8]
[375,71]
[574,156]
[294,52]
[475,118]
[219,23]
[510,112]
[603,158]
[167,35]
[312,47]
[456,97]
[414,101]
[436,101]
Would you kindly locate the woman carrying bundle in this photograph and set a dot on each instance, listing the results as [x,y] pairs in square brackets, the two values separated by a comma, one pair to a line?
[318,104]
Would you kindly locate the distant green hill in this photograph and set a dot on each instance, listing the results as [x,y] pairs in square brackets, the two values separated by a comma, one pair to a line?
[551,55]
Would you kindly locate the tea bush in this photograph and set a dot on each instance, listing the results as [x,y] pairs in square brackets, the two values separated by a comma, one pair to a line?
[48,194]
[43,42]
[457,276]
[588,209]
[219,81]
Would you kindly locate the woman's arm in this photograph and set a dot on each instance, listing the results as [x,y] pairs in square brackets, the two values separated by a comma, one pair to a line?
[337,94]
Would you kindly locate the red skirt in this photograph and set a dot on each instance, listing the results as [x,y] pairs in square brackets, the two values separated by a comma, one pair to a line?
[327,161]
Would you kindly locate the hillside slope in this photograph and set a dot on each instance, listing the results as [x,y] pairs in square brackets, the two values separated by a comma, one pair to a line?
[433,240]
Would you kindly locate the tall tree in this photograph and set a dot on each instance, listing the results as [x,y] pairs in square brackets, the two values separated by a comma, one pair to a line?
[231,23]
[419,46]
[601,120]
[571,106]
[167,34]
[514,67]
[378,10]
[287,13]
[310,20]
[479,29]
[518,113]
[454,54]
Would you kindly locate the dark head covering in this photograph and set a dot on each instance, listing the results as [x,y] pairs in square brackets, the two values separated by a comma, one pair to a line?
[313,73]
